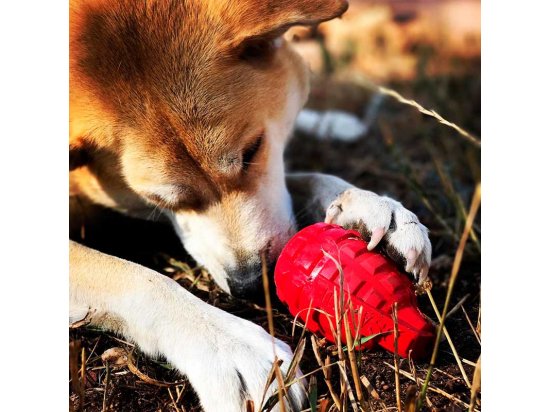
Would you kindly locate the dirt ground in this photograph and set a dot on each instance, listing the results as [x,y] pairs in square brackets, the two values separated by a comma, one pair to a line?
[409,156]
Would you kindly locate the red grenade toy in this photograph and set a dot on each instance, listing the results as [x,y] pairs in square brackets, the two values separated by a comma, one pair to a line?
[305,276]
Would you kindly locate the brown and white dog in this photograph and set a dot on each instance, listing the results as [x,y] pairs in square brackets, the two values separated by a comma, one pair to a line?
[185,106]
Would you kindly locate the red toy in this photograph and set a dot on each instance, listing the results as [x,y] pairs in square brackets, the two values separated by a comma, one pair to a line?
[305,276]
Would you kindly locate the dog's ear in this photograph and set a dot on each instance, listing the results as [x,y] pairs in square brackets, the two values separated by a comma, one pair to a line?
[258,22]
[274,17]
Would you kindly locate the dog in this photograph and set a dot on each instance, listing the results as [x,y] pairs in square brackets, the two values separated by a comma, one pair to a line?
[185,107]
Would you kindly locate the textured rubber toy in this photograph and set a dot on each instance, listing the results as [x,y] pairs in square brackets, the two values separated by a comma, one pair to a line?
[306,277]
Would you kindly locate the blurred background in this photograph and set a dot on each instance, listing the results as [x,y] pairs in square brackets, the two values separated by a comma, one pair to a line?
[396,39]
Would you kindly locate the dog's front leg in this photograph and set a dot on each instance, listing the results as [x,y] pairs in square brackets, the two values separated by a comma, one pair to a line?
[226,358]
[379,219]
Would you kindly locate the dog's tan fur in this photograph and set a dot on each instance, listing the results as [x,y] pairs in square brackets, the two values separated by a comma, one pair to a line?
[168,96]
[192,104]
[185,106]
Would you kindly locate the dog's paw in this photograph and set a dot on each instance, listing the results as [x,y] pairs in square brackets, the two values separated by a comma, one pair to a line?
[382,220]
[232,360]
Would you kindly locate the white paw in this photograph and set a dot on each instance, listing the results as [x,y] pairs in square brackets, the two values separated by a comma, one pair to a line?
[330,124]
[380,218]
[229,363]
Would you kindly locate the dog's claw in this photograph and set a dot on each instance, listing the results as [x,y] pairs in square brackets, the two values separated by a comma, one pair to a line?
[333,211]
[423,274]
[411,257]
[377,235]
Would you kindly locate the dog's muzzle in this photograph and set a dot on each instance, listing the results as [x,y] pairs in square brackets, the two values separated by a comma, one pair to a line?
[245,282]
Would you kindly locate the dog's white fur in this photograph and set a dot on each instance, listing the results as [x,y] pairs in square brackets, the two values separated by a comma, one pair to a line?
[376,212]
[260,220]
[203,342]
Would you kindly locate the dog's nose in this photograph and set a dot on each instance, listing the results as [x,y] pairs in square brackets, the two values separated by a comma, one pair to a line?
[246,287]
[245,282]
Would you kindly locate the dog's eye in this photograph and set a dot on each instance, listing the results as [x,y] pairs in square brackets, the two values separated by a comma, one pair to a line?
[257,49]
[250,152]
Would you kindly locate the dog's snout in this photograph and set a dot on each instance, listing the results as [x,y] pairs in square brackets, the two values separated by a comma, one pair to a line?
[248,286]
[246,281]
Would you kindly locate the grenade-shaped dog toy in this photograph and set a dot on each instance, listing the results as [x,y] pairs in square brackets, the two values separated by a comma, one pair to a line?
[308,275]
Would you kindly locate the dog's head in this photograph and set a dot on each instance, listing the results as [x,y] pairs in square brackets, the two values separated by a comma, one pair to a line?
[194,101]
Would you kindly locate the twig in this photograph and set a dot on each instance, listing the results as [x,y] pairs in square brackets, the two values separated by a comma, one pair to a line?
[360,79]
[395,356]
[348,386]
[173,400]
[325,373]
[295,321]
[76,383]
[339,315]
[478,326]
[448,336]
[340,350]
[457,306]
[412,367]
[179,392]
[468,362]
[295,361]
[410,398]
[93,350]
[122,341]
[447,374]
[104,407]
[270,379]
[471,324]
[265,281]
[369,387]
[353,365]
[476,385]
[305,375]
[278,373]
[432,113]
[454,274]
[269,404]
[83,367]
[374,394]
[281,391]
[133,368]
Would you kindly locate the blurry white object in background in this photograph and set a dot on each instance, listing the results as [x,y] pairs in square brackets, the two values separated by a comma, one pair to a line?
[332,124]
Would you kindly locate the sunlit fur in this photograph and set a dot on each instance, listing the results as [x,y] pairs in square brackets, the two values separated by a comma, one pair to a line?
[164,106]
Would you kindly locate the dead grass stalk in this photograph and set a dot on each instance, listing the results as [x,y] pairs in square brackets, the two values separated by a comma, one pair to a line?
[476,200]
[395,355]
